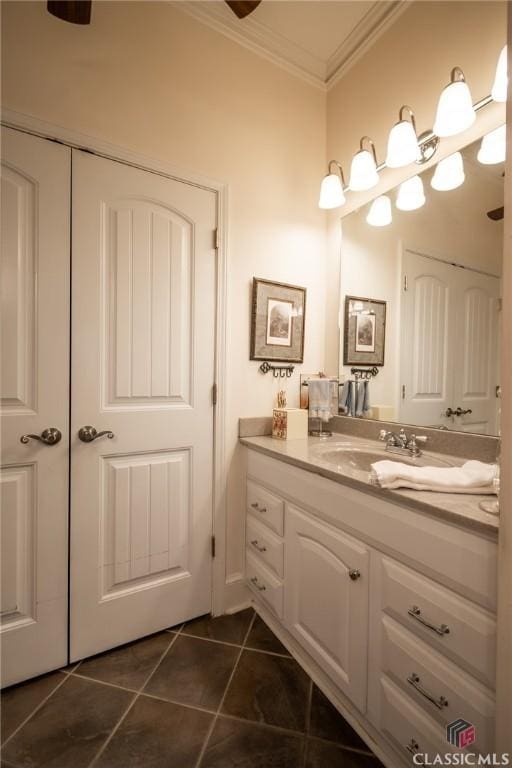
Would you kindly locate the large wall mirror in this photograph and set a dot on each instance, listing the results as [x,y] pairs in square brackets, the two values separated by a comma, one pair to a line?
[420,296]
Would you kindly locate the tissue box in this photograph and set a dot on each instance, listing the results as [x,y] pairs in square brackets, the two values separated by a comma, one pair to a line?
[289,423]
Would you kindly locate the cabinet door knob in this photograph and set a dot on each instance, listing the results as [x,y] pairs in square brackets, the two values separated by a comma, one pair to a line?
[354,574]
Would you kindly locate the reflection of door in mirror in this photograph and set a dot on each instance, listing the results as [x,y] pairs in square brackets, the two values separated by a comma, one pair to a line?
[448,361]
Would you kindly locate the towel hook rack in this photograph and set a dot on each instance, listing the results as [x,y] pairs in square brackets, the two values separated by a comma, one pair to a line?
[278,371]
[364,373]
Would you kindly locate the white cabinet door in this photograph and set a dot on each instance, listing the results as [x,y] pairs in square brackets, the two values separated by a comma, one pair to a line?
[144,271]
[34,397]
[326,599]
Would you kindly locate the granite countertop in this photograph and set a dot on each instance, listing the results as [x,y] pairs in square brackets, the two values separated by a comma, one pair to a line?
[458,508]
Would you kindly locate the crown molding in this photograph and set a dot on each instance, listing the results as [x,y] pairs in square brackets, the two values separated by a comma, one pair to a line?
[276,48]
[259,39]
[373,24]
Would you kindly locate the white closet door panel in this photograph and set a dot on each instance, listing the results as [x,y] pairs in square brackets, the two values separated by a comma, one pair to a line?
[477,334]
[34,396]
[143,367]
[428,318]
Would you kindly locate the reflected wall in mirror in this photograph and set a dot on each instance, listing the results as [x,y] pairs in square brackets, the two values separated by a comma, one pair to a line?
[438,268]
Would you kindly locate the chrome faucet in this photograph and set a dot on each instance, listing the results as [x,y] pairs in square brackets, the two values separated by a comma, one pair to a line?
[401,443]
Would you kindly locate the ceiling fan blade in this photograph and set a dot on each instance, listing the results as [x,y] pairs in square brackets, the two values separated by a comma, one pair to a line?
[74,11]
[497,214]
[243,8]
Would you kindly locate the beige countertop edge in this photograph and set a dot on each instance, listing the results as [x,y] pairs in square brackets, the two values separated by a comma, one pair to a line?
[470,516]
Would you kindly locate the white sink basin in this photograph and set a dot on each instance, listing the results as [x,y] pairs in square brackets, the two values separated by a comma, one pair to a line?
[361,457]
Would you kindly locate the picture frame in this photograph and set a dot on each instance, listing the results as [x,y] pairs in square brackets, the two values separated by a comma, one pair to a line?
[277,321]
[364,332]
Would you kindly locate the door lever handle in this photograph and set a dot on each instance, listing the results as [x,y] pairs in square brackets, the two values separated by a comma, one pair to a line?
[87,434]
[50,436]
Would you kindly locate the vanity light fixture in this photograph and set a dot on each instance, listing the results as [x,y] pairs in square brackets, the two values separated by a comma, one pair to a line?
[449,173]
[380,214]
[455,111]
[411,195]
[363,171]
[493,147]
[499,88]
[331,189]
[403,142]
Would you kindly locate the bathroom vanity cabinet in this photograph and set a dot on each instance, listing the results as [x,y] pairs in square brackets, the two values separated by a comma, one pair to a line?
[390,610]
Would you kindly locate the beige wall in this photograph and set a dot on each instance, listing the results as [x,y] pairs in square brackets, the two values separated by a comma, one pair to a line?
[409,64]
[149,78]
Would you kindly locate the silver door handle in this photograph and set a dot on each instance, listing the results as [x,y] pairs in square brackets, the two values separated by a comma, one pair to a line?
[415,612]
[440,702]
[255,544]
[87,434]
[412,746]
[457,412]
[257,506]
[260,587]
[50,436]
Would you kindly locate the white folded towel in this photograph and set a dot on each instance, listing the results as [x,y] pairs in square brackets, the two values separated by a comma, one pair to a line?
[319,392]
[473,477]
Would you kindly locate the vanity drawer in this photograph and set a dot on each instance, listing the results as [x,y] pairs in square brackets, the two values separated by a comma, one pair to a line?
[264,544]
[264,584]
[267,507]
[454,626]
[443,690]
[406,725]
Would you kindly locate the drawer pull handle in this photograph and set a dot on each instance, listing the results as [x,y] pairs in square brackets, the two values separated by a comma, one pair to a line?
[256,546]
[257,506]
[414,680]
[260,587]
[354,574]
[415,612]
[412,746]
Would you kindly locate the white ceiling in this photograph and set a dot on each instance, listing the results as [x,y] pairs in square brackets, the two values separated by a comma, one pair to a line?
[317,40]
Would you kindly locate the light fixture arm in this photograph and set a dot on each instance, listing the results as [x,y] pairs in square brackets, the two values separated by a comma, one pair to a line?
[411,115]
[372,145]
[457,75]
[338,165]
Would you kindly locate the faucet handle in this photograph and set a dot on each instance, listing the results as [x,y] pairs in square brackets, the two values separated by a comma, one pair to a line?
[384,434]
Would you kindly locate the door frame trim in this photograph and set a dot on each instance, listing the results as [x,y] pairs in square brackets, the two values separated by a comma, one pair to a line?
[76,140]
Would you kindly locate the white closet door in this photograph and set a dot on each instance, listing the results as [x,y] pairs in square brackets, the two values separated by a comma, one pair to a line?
[427,345]
[143,322]
[450,328]
[34,397]
[476,374]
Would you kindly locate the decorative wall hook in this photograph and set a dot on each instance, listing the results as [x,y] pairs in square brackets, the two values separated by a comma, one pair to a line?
[364,373]
[278,371]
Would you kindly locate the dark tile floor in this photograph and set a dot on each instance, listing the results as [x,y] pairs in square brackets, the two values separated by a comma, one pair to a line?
[214,693]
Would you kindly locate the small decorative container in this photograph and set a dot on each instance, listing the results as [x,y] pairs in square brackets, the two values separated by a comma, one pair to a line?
[289,423]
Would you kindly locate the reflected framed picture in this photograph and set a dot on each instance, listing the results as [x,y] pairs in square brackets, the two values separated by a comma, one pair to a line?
[277,321]
[364,336]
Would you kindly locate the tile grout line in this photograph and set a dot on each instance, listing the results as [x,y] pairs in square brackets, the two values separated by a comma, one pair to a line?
[308,723]
[66,676]
[132,703]
[216,716]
